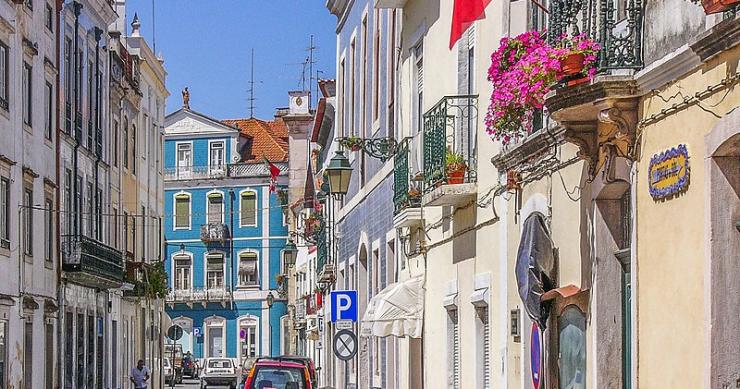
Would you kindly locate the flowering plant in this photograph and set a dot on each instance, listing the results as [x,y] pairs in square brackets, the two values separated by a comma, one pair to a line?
[522,70]
[583,45]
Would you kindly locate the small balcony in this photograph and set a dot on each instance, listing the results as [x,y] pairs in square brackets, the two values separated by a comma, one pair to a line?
[601,111]
[406,195]
[214,233]
[450,151]
[235,170]
[92,263]
[202,296]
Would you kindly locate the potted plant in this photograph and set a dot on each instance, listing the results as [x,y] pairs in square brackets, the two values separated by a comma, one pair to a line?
[579,55]
[414,193]
[280,278]
[455,167]
[522,71]
[353,143]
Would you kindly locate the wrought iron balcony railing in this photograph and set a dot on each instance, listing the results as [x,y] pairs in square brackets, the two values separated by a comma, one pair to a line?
[615,25]
[91,262]
[404,194]
[214,232]
[198,295]
[451,125]
[239,170]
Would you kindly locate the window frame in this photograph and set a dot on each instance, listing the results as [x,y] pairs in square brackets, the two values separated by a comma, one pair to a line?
[179,257]
[246,253]
[4,76]
[49,18]
[49,110]
[187,170]
[175,197]
[49,230]
[256,207]
[27,93]
[211,148]
[28,221]
[212,195]
[5,209]
[28,352]
[206,257]
[559,306]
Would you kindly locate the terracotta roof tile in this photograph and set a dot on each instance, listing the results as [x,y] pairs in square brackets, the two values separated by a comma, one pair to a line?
[262,138]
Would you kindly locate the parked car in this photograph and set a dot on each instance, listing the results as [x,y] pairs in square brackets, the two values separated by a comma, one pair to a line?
[189,366]
[306,361]
[171,373]
[274,373]
[218,371]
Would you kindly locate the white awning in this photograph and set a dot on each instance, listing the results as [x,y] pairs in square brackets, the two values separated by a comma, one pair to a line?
[397,310]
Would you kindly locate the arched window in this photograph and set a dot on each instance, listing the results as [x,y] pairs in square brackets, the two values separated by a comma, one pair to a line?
[214,270]
[248,273]
[183,271]
[215,208]
[248,208]
[182,211]
[248,337]
[572,348]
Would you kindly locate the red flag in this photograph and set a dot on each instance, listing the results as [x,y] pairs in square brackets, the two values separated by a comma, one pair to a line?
[464,13]
[274,172]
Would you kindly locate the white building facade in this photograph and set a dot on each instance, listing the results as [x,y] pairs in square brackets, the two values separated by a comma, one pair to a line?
[28,201]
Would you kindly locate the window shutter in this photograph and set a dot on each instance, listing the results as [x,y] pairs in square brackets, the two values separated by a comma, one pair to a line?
[456,351]
[486,348]
[215,207]
[248,209]
[182,211]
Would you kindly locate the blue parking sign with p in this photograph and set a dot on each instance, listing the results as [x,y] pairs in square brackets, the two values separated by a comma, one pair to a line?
[343,305]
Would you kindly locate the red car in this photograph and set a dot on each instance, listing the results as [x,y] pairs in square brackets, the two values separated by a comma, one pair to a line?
[278,374]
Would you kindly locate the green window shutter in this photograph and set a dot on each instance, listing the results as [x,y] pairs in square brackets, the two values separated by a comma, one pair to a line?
[182,211]
[248,208]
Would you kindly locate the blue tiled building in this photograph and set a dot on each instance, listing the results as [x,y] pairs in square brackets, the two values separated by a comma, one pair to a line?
[224,233]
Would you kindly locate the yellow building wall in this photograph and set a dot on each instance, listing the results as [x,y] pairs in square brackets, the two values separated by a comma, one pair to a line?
[671,241]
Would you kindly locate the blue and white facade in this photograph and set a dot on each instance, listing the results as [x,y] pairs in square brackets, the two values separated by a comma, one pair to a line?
[224,235]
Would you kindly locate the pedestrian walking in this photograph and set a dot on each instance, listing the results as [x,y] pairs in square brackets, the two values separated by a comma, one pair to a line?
[140,375]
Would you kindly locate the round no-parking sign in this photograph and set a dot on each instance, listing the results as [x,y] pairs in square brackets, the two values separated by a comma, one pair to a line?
[345,345]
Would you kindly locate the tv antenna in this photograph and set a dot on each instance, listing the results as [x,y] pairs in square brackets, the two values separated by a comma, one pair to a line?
[251,98]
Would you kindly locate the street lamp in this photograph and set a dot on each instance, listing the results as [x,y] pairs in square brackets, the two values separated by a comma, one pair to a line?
[182,248]
[270,300]
[290,252]
[339,172]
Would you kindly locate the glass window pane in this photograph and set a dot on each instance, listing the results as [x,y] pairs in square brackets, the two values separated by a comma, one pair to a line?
[572,353]
[248,208]
[215,207]
[182,212]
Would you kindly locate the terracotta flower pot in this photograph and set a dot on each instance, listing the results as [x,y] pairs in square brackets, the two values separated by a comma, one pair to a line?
[456,176]
[573,64]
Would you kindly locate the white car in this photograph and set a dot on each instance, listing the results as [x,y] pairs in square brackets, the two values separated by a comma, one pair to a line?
[218,371]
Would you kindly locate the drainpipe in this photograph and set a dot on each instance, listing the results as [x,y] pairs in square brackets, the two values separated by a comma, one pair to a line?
[98,135]
[231,249]
[60,285]
[76,7]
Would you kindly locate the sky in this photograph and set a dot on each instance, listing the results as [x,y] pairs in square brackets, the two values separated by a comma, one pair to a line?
[206,46]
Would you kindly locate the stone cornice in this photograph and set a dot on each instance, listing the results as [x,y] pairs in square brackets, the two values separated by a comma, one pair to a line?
[717,39]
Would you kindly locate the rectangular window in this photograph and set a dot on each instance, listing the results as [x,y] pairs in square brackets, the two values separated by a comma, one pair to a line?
[248,269]
[376,64]
[134,160]
[114,228]
[363,76]
[78,206]
[216,157]
[28,354]
[90,210]
[67,206]
[99,215]
[133,233]
[391,79]
[248,209]
[125,143]
[114,147]
[183,266]
[68,85]
[114,354]
[341,93]
[48,110]
[3,352]
[49,18]
[184,160]
[419,97]
[182,211]
[143,232]
[27,93]
[49,231]
[28,221]
[4,213]
[125,231]
[49,355]
[215,208]
[90,104]
[4,75]
[351,89]
[215,271]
